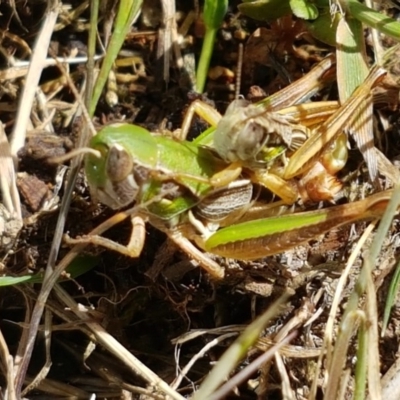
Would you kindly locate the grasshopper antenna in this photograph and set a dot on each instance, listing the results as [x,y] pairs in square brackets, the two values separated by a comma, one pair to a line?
[239,67]
[73,153]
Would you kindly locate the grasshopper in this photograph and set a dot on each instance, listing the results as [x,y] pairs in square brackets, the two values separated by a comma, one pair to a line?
[325,147]
[278,144]
[175,187]
[134,165]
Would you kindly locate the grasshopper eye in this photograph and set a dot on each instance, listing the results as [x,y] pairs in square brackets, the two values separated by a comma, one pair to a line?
[119,164]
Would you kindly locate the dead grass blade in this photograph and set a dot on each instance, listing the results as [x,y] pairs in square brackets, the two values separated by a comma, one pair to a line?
[46,367]
[7,368]
[167,37]
[229,386]
[372,315]
[8,182]
[39,55]
[352,314]
[391,383]
[115,348]
[329,330]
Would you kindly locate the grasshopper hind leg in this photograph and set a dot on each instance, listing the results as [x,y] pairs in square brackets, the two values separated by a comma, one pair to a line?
[204,261]
[136,242]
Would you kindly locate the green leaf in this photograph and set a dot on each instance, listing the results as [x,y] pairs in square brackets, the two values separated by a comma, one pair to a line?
[324,27]
[304,9]
[262,10]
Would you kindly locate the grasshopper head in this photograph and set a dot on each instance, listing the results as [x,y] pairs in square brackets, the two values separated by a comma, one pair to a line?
[247,132]
[242,132]
[237,137]
[111,177]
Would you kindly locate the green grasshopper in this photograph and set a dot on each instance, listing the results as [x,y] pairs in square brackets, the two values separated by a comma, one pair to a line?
[134,165]
[175,187]
[131,165]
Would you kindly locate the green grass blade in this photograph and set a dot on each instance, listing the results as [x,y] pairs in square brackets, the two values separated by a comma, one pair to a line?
[214,13]
[373,19]
[128,11]
[79,266]
[236,352]
[206,138]
[352,68]
[205,59]
[391,297]
[384,225]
